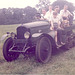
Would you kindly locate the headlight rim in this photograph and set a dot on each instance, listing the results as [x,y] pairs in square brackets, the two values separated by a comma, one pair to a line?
[27,35]
[13,35]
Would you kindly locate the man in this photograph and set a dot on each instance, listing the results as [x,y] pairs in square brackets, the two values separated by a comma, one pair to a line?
[37,16]
[49,14]
[43,14]
[56,9]
[55,24]
[65,13]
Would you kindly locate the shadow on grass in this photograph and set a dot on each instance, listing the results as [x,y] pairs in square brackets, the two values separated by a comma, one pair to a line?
[59,51]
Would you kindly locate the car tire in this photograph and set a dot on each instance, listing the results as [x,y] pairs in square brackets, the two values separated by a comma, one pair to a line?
[9,56]
[43,49]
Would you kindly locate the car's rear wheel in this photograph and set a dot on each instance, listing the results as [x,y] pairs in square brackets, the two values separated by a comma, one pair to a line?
[43,49]
[9,56]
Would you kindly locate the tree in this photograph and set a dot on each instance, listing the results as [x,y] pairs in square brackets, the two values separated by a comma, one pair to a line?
[29,13]
[61,4]
[17,15]
[43,4]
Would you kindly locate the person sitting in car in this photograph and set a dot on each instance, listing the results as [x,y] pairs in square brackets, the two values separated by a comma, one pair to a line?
[55,24]
[37,16]
[56,9]
[43,13]
[49,14]
[65,23]
[65,14]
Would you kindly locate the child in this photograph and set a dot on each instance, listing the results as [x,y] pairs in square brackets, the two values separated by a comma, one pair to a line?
[55,24]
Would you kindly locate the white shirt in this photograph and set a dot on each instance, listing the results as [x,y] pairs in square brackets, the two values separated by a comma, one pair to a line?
[42,16]
[48,15]
[63,13]
[55,20]
[58,15]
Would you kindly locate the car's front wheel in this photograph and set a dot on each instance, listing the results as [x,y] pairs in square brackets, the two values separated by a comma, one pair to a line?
[43,49]
[9,56]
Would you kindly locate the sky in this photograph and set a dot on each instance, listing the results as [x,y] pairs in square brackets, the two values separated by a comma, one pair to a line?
[22,3]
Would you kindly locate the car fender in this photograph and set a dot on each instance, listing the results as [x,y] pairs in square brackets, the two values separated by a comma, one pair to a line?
[36,34]
[8,35]
[52,34]
[50,37]
[4,36]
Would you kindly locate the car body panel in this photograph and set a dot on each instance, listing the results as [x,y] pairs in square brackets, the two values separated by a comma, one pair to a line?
[35,24]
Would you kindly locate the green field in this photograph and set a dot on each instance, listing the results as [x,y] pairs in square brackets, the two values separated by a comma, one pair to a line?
[63,62]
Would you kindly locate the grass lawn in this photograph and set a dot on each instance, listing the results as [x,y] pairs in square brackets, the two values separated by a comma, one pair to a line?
[63,62]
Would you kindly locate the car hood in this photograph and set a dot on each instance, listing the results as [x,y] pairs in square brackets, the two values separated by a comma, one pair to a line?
[35,24]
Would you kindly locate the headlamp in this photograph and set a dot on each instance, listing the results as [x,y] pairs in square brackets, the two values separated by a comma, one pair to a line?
[13,35]
[27,35]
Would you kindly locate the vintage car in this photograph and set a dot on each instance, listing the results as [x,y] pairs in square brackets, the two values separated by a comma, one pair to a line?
[35,35]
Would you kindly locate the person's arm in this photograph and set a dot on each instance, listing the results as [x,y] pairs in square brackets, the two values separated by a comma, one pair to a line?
[59,24]
[61,13]
[70,13]
[68,23]
[46,16]
[51,28]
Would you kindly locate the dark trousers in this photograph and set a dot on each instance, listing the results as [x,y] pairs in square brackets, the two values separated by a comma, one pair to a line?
[61,36]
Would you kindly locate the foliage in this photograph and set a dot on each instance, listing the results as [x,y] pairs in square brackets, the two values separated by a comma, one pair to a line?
[17,15]
[43,4]
[61,4]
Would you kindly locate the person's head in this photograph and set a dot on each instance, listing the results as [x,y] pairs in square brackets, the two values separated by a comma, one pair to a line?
[65,7]
[54,14]
[56,9]
[43,11]
[50,8]
[38,16]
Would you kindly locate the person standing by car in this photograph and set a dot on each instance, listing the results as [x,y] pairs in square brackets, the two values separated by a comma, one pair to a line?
[55,24]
